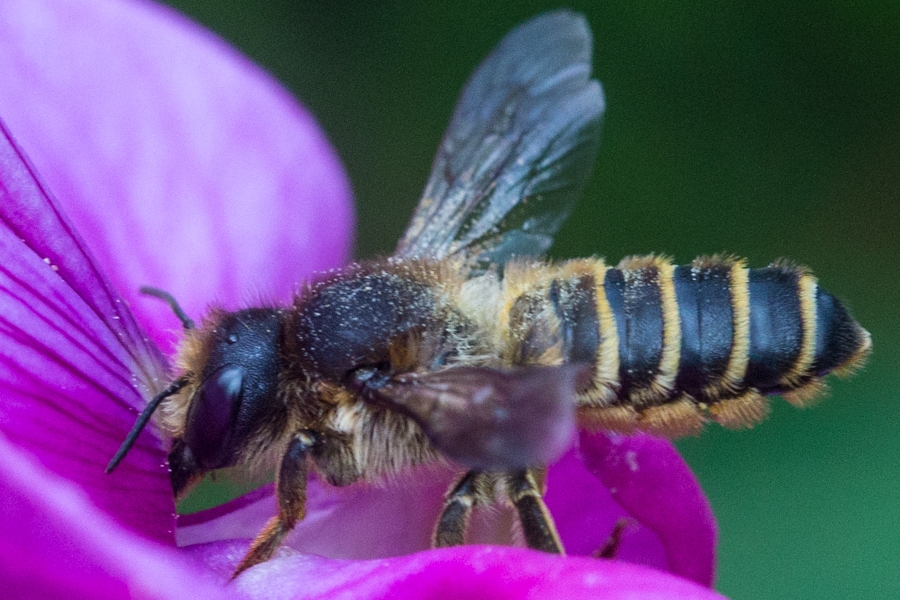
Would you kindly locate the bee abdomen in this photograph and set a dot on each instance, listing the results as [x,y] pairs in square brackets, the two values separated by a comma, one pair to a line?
[711,339]
[798,333]
[641,297]
[782,328]
[841,343]
[707,319]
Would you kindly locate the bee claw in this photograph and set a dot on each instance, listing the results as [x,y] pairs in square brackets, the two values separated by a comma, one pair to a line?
[265,545]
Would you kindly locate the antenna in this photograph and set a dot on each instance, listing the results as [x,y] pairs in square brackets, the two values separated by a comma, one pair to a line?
[169,299]
[141,422]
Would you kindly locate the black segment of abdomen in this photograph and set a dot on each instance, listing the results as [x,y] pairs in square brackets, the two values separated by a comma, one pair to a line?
[575,305]
[637,306]
[707,325]
[838,335]
[776,327]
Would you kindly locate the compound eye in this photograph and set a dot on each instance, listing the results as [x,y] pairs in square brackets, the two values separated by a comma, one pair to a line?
[212,415]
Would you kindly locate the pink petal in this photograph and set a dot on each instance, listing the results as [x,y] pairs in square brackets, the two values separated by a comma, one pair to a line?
[56,544]
[465,572]
[185,166]
[363,522]
[183,171]
[651,481]
[586,513]
[73,365]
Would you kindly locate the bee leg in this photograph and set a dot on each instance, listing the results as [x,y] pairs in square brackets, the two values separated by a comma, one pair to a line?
[451,526]
[290,489]
[524,489]
[611,547]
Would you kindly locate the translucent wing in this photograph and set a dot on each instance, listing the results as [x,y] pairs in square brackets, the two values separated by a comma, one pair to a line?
[518,151]
[491,418]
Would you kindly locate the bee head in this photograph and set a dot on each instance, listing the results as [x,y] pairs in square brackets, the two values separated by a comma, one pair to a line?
[237,385]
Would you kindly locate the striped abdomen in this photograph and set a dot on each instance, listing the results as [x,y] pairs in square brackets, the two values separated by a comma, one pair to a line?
[675,346]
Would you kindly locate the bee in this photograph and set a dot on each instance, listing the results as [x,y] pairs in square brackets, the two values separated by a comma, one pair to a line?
[465,346]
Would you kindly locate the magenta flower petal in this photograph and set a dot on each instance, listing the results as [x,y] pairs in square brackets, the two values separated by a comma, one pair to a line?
[144,150]
[651,481]
[586,513]
[55,544]
[360,521]
[466,572]
[191,169]
[73,364]
[671,528]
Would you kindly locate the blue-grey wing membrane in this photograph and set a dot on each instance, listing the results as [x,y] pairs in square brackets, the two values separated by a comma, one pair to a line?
[518,151]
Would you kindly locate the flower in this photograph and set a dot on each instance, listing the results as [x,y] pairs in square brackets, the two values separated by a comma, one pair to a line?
[185,167]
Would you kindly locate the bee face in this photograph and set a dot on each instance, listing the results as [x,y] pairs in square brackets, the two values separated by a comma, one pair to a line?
[236,389]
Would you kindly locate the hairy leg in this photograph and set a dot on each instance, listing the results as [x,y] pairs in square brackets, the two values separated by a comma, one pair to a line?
[451,526]
[525,490]
[291,493]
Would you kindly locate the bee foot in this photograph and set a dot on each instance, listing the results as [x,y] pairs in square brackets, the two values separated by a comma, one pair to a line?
[611,547]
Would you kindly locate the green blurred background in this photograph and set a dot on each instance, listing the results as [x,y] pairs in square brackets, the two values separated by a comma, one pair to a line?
[762,129]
